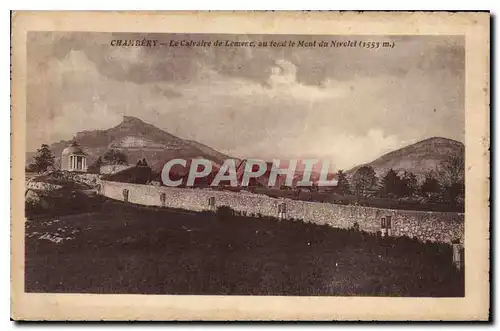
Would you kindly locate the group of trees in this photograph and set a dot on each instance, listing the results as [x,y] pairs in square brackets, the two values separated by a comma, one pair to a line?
[444,184]
[110,157]
[44,160]
[403,185]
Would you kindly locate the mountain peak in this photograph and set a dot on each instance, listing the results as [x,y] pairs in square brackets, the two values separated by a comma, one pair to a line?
[440,140]
[131,120]
[419,158]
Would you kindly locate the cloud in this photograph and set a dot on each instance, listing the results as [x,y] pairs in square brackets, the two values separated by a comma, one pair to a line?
[343,150]
[283,79]
[74,99]
[348,107]
[346,150]
[283,74]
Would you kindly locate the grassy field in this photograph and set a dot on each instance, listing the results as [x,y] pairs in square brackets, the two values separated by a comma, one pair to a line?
[131,249]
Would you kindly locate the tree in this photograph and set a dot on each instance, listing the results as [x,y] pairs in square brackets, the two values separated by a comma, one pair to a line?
[95,167]
[343,185]
[455,193]
[408,184]
[430,186]
[43,160]
[114,157]
[31,168]
[364,180]
[390,183]
[452,170]
[452,177]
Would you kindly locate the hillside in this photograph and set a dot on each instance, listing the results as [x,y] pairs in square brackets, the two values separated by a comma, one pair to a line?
[137,140]
[419,158]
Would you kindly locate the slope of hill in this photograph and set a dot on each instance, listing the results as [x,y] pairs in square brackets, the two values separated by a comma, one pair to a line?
[137,140]
[419,158]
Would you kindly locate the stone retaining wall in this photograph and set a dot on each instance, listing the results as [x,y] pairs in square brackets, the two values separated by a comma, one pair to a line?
[432,226]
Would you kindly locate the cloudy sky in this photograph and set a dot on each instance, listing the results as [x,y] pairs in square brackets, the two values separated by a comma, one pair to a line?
[347,105]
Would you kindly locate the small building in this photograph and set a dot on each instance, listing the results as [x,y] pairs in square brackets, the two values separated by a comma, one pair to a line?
[73,158]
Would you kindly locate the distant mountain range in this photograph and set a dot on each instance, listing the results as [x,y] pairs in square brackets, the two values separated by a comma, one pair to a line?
[140,140]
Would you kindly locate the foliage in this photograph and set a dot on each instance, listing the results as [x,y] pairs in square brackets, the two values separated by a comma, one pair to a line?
[452,170]
[95,167]
[43,160]
[114,157]
[452,177]
[343,186]
[430,186]
[403,185]
[454,193]
[390,183]
[142,163]
[445,185]
[408,184]
[364,180]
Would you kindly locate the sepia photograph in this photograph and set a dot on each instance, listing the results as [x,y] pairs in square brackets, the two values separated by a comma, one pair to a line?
[247,164]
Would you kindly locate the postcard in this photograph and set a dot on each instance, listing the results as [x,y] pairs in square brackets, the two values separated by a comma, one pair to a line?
[256,166]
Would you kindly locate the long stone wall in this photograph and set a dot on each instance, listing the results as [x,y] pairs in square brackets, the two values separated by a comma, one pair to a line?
[432,226]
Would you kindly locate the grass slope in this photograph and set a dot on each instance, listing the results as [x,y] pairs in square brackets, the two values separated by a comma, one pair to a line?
[131,249]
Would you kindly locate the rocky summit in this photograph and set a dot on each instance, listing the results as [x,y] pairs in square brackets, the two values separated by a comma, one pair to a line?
[137,140]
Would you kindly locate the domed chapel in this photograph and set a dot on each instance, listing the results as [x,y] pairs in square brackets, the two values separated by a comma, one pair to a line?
[73,158]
